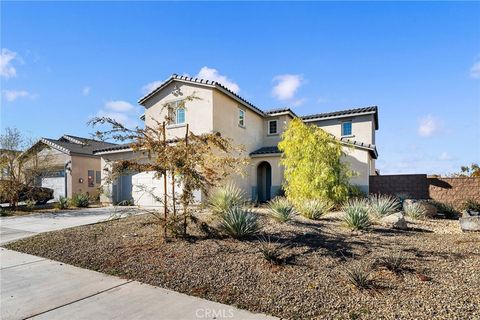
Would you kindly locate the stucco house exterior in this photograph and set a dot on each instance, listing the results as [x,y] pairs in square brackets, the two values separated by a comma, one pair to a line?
[72,166]
[218,109]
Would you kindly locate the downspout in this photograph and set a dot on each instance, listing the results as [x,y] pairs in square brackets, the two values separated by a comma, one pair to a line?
[66,170]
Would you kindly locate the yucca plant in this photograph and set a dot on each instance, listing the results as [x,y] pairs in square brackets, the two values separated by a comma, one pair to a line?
[62,203]
[394,261]
[314,209]
[271,250]
[414,210]
[360,275]
[79,200]
[239,223]
[281,209]
[356,215]
[383,205]
[224,198]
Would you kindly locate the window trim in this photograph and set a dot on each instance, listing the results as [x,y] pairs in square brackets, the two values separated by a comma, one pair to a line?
[184,116]
[276,128]
[351,129]
[241,112]
[174,109]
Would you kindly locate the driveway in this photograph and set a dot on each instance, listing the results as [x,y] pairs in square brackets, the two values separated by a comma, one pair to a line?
[37,288]
[14,228]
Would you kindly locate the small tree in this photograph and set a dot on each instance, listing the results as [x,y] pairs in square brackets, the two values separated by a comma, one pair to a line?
[469,171]
[195,162]
[313,166]
[20,164]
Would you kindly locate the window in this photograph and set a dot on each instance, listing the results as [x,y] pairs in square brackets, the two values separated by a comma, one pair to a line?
[241,117]
[176,113]
[98,177]
[347,128]
[90,178]
[272,127]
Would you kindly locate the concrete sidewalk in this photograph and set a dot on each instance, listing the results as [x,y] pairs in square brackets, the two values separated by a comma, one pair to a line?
[14,228]
[38,288]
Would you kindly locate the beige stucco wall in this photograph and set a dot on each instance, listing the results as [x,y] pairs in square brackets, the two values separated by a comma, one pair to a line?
[198,113]
[282,123]
[363,129]
[80,166]
[359,161]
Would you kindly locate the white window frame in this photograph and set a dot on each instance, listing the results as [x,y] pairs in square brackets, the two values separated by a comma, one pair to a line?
[351,129]
[172,108]
[241,117]
[276,128]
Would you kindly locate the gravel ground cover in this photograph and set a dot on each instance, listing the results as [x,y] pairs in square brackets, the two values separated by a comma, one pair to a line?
[440,279]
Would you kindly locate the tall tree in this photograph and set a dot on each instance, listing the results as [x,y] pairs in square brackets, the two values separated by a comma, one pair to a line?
[313,164]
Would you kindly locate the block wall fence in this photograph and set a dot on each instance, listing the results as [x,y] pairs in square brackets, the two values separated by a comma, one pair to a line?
[420,186]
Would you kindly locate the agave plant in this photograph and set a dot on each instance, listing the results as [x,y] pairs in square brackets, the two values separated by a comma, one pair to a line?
[239,223]
[383,205]
[62,203]
[414,210]
[225,198]
[271,250]
[394,261]
[314,209]
[356,215]
[281,209]
[80,200]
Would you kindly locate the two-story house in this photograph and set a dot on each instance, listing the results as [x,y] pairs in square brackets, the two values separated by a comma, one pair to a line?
[218,109]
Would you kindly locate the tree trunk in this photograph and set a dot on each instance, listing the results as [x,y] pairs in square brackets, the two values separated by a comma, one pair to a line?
[185,204]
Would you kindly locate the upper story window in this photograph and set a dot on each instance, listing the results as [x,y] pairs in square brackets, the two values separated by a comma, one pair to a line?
[176,113]
[347,128]
[241,117]
[273,127]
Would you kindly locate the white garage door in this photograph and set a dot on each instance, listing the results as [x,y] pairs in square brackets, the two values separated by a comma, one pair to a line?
[146,188]
[55,183]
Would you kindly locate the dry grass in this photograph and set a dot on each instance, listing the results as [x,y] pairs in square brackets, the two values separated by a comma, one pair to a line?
[442,263]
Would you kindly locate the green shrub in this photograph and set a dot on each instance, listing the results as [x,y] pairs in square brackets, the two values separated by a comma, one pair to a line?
[270,250]
[471,205]
[281,209]
[383,205]
[414,210]
[356,215]
[239,223]
[314,209]
[62,203]
[79,200]
[225,198]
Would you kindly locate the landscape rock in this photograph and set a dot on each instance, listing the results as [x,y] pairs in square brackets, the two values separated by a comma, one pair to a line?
[430,209]
[395,221]
[470,223]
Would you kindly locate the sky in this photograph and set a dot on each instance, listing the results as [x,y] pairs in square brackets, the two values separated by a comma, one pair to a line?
[65,62]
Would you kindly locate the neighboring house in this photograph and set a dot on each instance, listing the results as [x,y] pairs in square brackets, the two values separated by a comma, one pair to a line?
[220,110]
[71,167]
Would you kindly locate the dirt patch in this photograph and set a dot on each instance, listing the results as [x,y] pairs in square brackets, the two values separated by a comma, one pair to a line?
[441,278]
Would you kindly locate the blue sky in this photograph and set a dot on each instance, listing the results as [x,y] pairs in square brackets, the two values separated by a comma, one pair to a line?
[63,63]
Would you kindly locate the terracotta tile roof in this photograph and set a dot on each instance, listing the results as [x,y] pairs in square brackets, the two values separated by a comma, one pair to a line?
[266,150]
[280,110]
[80,146]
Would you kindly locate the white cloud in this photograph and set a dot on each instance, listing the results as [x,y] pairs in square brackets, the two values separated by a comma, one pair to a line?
[119,106]
[86,90]
[428,126]
[299,102]
[149,87]
[118,116]
[6,68]
[287,85]
[213,75]
[322,100]
[12,95]
[445,156]
[475,70]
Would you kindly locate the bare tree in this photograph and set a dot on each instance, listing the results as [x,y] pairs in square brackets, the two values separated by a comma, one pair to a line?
[195,161]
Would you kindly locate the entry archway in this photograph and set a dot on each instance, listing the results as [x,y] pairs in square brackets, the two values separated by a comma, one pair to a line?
[264,181]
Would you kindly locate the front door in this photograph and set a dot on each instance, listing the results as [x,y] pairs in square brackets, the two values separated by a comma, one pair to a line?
[264,182]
